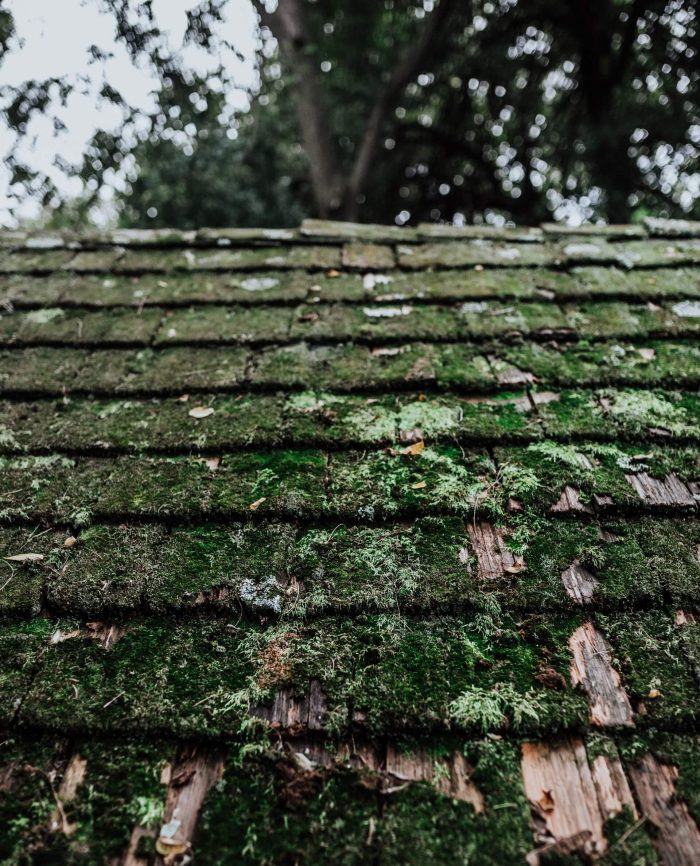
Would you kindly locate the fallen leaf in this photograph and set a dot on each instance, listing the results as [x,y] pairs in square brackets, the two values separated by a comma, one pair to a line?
[419,485]
[183,399]
[516,568]
[258,502]
[71,541]
[654,693]
[212,463]
[200,412]
[25,557]
[332,273]
[546,802]
[413,450]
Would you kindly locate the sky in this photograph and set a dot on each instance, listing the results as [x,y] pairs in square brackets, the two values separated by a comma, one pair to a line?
[55,36]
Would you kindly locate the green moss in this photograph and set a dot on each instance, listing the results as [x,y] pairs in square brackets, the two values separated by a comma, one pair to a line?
[274,813]
[107,571]
[420,826]
[383,484]
[384,569]
[208,565]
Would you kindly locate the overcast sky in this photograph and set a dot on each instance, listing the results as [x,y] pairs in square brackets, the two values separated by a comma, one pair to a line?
[55,37]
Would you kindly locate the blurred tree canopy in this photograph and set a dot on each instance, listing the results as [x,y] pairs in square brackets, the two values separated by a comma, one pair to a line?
[400,111]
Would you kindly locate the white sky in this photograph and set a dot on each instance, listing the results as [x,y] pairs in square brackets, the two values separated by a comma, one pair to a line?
[55,36]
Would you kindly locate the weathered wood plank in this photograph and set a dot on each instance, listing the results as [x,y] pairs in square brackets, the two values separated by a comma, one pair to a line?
[570,503]
[591,668]
[453,773]
[579,583]
[668,492]
[494,558]
[295,713]
[563,799]
[193,774]
[677,837]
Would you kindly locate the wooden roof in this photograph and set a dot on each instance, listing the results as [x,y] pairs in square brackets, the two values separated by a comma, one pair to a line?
[351,544]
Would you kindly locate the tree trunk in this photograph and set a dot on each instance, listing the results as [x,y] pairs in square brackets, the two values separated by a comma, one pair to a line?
[337,194]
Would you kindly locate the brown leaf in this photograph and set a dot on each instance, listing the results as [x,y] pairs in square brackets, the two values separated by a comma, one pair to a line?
[258,502]
[546,802]
[332,273]
[71,541]
[516,568]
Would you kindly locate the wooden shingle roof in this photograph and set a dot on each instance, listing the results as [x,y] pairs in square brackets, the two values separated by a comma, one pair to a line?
[351,544]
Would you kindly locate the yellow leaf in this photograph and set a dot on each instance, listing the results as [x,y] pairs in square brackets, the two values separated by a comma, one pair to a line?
[170,847]
[413,450]
[200,412]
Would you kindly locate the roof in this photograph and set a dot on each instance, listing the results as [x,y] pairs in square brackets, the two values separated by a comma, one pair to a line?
[351,544]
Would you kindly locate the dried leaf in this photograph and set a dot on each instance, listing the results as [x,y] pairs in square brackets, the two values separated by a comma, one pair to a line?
[654,693]
[413,450]
[258,502]
[71,541]
[183,399]
[546,802]
[419,485]
[516,568]
[25,557]
[200,412]
[332,273]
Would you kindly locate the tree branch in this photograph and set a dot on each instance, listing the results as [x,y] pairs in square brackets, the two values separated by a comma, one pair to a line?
[288,25]
[402,73]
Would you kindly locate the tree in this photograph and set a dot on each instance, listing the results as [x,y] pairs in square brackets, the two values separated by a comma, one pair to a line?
[406,110]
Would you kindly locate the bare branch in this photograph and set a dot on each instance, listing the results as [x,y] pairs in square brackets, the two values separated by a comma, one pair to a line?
[402,73]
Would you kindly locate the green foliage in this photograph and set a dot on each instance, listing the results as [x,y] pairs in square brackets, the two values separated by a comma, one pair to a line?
[490,709]
[517,111]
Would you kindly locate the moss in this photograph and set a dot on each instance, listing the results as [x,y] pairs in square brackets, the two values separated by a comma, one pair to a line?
[384,569]
[420,826]
[55,325]
[107,571]
[592,468]
[654,364]
[208,565]
[649,650]
[156,679]
[237,325]
[22,583]
[383,484]
[177,370]
[270,812]
[326,418]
